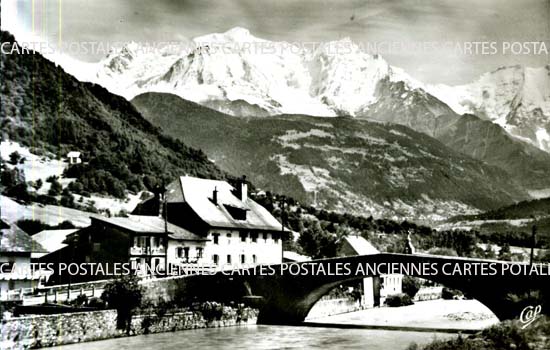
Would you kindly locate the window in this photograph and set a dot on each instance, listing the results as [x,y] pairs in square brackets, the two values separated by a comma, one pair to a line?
[216,238]
[254,258]
[199,253]
[229,258]
[179,252]
[243,235]
[140,241]
[186,253]
[215,259]
[229,238]
[236,213]
[96,247]
[254,237]
[243,259]
[265,237]
[275,239]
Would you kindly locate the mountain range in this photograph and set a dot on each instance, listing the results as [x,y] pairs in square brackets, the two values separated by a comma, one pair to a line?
[385,146]
[239,74]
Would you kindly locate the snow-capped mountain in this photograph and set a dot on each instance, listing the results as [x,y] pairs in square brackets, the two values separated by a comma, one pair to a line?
[239,74]
[228,70]
[517,98]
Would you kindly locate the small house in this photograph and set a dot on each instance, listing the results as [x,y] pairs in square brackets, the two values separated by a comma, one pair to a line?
[74,157]
[16,275]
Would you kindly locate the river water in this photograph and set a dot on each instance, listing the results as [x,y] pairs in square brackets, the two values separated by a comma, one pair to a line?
[448,314]
[266,337]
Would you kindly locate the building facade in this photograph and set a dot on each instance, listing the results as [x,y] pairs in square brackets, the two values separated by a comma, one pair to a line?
[375,289]
[16,275]
[205,224]
[239,231]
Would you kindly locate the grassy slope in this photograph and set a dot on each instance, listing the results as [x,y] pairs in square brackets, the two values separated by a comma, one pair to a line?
[521,210]
[371,160]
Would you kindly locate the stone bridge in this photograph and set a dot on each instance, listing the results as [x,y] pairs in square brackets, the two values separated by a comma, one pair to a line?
[287,297]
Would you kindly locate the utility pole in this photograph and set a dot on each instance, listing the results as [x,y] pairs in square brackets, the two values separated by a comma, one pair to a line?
[533,242]
[283,199]
[165,239]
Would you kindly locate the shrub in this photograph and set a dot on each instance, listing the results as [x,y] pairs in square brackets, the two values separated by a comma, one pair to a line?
[55,188]
[449,293]
[15,157]
[52,178]
[397,300]
[410,286]
[96,302]
[81,300]
[19,192]
[37,184]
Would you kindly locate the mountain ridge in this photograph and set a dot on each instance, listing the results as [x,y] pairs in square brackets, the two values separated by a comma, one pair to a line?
[344,163]
[335,78]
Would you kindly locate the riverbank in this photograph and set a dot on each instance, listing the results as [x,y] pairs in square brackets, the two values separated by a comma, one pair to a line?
[31,332]
[432,314]
[508,335]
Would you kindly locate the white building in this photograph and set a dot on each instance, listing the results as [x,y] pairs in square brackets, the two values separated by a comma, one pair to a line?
[376,289]
[209,225]
[74,157]
[239,230]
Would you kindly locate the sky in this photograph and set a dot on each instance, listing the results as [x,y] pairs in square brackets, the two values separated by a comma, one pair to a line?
[408,23]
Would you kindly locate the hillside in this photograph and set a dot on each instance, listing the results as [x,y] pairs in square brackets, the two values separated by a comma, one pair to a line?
[50,112]
[521,210]
[468,134]
[340,163]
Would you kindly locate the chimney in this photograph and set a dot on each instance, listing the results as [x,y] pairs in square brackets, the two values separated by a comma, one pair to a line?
[215,196]
[158,201]
[243,189]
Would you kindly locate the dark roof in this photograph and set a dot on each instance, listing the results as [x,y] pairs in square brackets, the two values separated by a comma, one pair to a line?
[198,193]
[150,224]
[15,240]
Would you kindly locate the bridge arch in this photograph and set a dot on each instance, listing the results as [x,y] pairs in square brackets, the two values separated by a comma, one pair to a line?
[287,299]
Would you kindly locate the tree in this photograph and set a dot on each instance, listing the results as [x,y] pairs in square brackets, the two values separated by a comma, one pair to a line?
[37,184]
[505,253]
[55,188]
[318,243]
[15,157]
[410,286]
[123,294]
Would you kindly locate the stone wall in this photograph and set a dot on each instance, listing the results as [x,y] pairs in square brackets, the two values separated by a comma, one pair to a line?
[428,293]
[328,307]
[51,330]
[171,322]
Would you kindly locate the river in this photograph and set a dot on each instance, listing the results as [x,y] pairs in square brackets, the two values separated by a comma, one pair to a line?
[448,314]
[266,337]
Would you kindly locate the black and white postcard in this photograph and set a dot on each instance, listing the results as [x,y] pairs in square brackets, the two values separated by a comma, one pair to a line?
[275,174]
